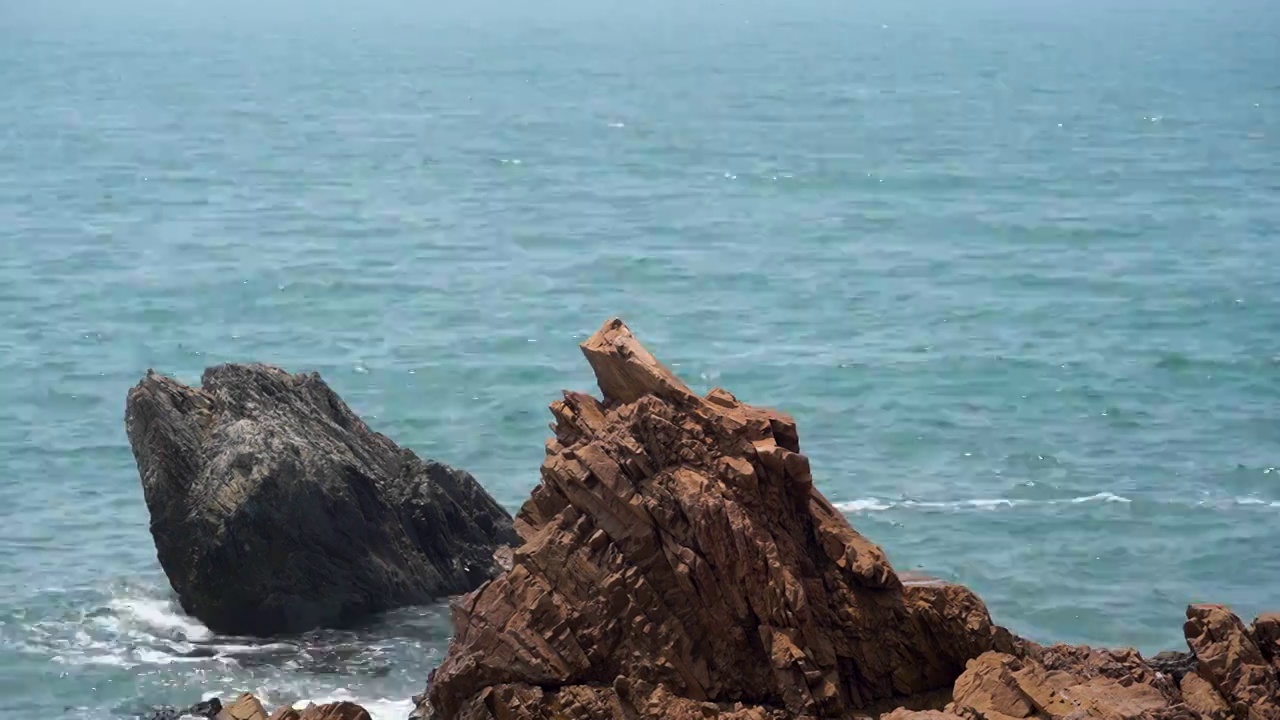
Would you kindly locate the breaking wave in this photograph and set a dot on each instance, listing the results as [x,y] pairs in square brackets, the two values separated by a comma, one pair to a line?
[139,635]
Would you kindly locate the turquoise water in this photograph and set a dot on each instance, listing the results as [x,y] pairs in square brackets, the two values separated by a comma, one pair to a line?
[1012,266]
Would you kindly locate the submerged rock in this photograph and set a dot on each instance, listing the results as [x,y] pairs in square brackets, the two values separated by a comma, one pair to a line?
[677,562]
[275,509]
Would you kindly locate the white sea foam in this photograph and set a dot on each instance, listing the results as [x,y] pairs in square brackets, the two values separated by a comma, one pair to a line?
[865,505]
[161,616]
[872,504]
[1101,497]
[1251,500]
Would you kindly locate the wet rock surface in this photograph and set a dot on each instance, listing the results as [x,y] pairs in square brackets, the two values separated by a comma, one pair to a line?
[275,509]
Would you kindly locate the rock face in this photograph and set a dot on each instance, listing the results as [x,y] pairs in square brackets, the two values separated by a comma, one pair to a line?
[275,509]
[677,562]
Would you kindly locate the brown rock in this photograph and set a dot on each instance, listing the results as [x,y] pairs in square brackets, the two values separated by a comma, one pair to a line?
[678,562]
[331,711]
[1231,661]
[1065,683]
[1202,699]
[245,707]
[1266,633]
[905,714]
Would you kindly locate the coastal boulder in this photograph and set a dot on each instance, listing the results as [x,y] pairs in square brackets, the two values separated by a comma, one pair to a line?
[275,509]
[678,562]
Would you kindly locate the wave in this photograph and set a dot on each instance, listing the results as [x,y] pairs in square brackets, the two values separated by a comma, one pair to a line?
[865,505]
[139,631]
[873,504]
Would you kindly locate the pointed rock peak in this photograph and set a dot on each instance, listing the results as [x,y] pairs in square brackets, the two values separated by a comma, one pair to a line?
[679,563]
[625,370]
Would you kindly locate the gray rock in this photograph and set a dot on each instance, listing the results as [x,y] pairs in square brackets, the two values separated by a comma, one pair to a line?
[1173,663]
[275,509]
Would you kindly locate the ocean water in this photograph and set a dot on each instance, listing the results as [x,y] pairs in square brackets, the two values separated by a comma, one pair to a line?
[1012,265]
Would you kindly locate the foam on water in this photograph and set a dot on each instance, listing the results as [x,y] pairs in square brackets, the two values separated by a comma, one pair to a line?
[877,504]
[160,616]
[137,630]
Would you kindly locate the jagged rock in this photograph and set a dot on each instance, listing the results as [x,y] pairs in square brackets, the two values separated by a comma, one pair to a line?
[207,709]
[331,711]
[1173,663]
[1061,683]
[1266,633]
[677,562]
[1202,699]
[905,714]
[275,509]
[1225,678]
[245,707]
[1230,660]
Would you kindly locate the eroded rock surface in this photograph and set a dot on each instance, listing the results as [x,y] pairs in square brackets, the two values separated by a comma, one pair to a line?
[677,562]
[275,509]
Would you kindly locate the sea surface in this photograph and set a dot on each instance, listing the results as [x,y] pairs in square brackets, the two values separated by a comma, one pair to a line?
[1013,265]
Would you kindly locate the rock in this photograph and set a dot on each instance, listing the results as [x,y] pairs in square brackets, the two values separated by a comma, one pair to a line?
[1202,699]
[1229,659]
[1266,633]
[332,711]
[905,714]
[275,509]
[677,562]
[1226,677]
[1063,683]
[1173,663]
[207,708]
[245,707]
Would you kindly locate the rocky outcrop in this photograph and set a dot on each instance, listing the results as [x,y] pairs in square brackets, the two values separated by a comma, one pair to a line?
[1228,657]
[1223,678]
[247,707]
[331,711]
[275,509]
[677,562]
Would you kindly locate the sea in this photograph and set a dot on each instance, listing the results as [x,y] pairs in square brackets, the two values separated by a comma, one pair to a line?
[1012,265]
